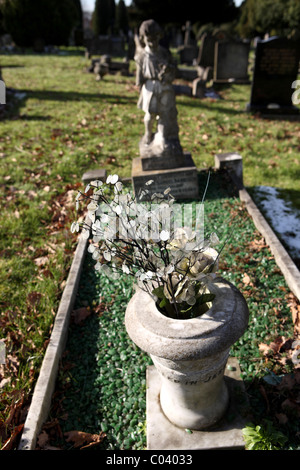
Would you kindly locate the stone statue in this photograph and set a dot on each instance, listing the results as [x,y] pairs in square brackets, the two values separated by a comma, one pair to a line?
[155,71]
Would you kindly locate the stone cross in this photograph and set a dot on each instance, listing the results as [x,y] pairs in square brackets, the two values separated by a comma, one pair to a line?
[187,36]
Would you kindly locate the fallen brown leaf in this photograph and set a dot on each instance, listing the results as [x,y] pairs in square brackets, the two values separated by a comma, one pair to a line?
[264,348]
[41,261]
[80,314]
[80,438]
[275,346]
[246,280]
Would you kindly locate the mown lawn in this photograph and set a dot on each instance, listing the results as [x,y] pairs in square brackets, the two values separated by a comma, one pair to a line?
[65,124]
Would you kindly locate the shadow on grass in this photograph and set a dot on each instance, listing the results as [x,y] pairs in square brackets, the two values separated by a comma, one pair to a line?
[11,111]
[27,117]
[12,66]
[75,96]
[210,105]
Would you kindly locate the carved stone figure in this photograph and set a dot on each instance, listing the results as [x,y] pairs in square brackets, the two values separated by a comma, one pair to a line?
[155,71]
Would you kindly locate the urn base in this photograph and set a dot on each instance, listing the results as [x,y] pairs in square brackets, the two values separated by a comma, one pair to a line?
[196,409]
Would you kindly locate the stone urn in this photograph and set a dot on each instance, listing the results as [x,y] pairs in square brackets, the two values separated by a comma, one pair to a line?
[190,355]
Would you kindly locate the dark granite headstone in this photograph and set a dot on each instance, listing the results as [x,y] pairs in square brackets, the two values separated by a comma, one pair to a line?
[276,68]
[111,45]
[206,51]
[231,62]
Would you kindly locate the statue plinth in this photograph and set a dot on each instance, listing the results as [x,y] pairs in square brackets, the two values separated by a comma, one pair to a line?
[182,180]
[161,155]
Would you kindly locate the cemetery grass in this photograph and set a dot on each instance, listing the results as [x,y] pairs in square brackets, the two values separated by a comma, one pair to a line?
[61,123]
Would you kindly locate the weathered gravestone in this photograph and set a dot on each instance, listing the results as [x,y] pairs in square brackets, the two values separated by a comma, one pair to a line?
[275,70]
[207,50]
[206,56]
[111,45]
[189,51]
[162,159]
[104,65]
[231,62]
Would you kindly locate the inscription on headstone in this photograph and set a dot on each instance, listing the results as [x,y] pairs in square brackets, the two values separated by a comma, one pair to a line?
[275,70]
[182,181]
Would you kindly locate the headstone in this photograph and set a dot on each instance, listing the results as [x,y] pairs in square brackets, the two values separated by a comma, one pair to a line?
[231,62]
[189,51]
[205,60]
[206,51]
[181,89]
[187,73]
[161,156]
[104,65]
[187,35]
[100,45]
[275,69]
[183,181]
[232,162]
[198,88]
[91,175]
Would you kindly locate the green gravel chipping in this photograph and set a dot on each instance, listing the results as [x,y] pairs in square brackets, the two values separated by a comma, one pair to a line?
[102,377]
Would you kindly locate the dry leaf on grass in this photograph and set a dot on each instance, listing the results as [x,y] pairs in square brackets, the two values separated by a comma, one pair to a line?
[246,280]
[275,346]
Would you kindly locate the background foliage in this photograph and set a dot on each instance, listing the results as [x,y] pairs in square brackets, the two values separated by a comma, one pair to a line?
[281,17]
[51,22]
[47,21]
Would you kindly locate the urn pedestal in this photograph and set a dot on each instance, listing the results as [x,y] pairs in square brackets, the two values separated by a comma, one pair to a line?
[190,355]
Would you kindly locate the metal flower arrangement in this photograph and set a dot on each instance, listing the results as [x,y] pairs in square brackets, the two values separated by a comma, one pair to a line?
[147,240]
